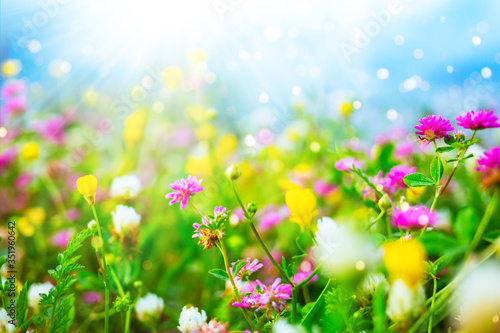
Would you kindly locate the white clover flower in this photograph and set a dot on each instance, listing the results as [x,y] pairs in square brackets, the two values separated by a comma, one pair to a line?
[4,322]
[405,302]
[125,218]
[191,319]
[282,326]
[342,251]
[149,307]
[34,293]
[371,282]
[92,224]
[127,187]
[478,299]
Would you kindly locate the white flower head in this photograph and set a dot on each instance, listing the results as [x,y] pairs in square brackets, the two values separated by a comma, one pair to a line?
[92,224]
[4,322]
[478,299]
[34,293]
[191,319]
[149,307]
[125,218]
[127,187]
[371,282]
[342,251]
[404,302]
[282,326]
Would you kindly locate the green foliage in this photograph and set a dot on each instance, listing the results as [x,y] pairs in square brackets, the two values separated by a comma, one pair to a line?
[57,305]
[437,169]
[465,225]
[238,266]
[219,273]
[418,180]
[23,323]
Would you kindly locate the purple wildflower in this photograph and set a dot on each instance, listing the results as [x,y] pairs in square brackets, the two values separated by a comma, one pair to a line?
[413,217]
[248,269]
[267,298]
[52,129]
[369,192]
[489,166]
[347,164]
[394,178]
[91,297]
[13,89]
[183,189]
[432,128]
[15,106]
[219,212]
[478,120]
[323,189]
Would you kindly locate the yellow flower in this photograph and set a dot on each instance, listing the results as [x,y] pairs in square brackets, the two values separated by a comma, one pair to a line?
[228,143]
[172,77]
[346,109]
[87,186]
[302,206]
[414,193]
[196,56]
[30,151]
[11,67]
[405,260]
[287,185]
[134,127]
[25,227]
[205,132]
[35,215]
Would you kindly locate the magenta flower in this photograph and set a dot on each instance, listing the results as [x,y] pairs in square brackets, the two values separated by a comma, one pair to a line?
[404,149]
[301,276]
[413,217]
[394,178]
[183,189]
[347,164]
[432,128]
[219,212]
[6,158]
[323,189]
[22,180]
[15,106]
[13,89]
[52,129]
[62,238]
[478,120]
[91,297]
[369,192]
[267,298]
[248,269]
[489,166]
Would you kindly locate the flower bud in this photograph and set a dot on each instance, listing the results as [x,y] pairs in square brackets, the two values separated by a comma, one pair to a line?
[87,186]
[122,304]
[459,136]
[384,203]
[252,208]
[138,284]
[233,172]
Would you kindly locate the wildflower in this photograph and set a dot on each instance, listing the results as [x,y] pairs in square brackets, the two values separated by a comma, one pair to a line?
[5,326]
[172,77]
[6,158]
[62,238]
[149,308]
[30,151]
[369,192]
[125,219]
[413,217]
[127,187]
[134,127]
[404,302]
[91,297]
[371,283]
[346,109]
[15,106]
[183,189]
[403,149]
[478,120]
[348,164]
[52,129]
[247,270]
[432,128]
[301,276]
[478,299]
[220,212]
[340,250]
[267,298]
[459,136]
[13,89]
[34,293]
[213,326]
[92,224]
[191,320]
[87,186]
[302,206]
[208,237]
[11,67]
[323,189]
[282,326]
[489,166]
[394,178]
[233,172]
[405,260]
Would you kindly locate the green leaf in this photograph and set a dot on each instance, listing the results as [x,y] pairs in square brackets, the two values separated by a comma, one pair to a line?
[449,140]
[466,157]
[378,308]
[437,169]
[417,180]
[444,149]
[465,225]
[491,236]
[452,160]
[437,243]
[238,266]
[219,273]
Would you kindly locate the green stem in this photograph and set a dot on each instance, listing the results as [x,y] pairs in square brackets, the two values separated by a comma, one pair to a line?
[313,273]
[105,278]
[372,222]
[484,221]
[54,194]
[256,233]
[294,305]
[117,282]
[429,330]
[223,251]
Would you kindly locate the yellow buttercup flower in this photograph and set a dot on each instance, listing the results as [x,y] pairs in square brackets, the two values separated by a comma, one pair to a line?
[205,132]
[11,67]
[287,185]
[35,215]
[228,143]
[25,227]
[30,151]
[172,77]
[134,127]
[87,186]
[405,260]
[346,109]
[302,206]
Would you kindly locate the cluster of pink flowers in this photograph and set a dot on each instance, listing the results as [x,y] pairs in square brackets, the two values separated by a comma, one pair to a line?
[52,129]
[213,326]
[347,164]
[478,120]
[267,298]
[413,218]
[489,166]
[432,128]
[209,238]
[392,182]
[248,269]
[183,189]
[14,96]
